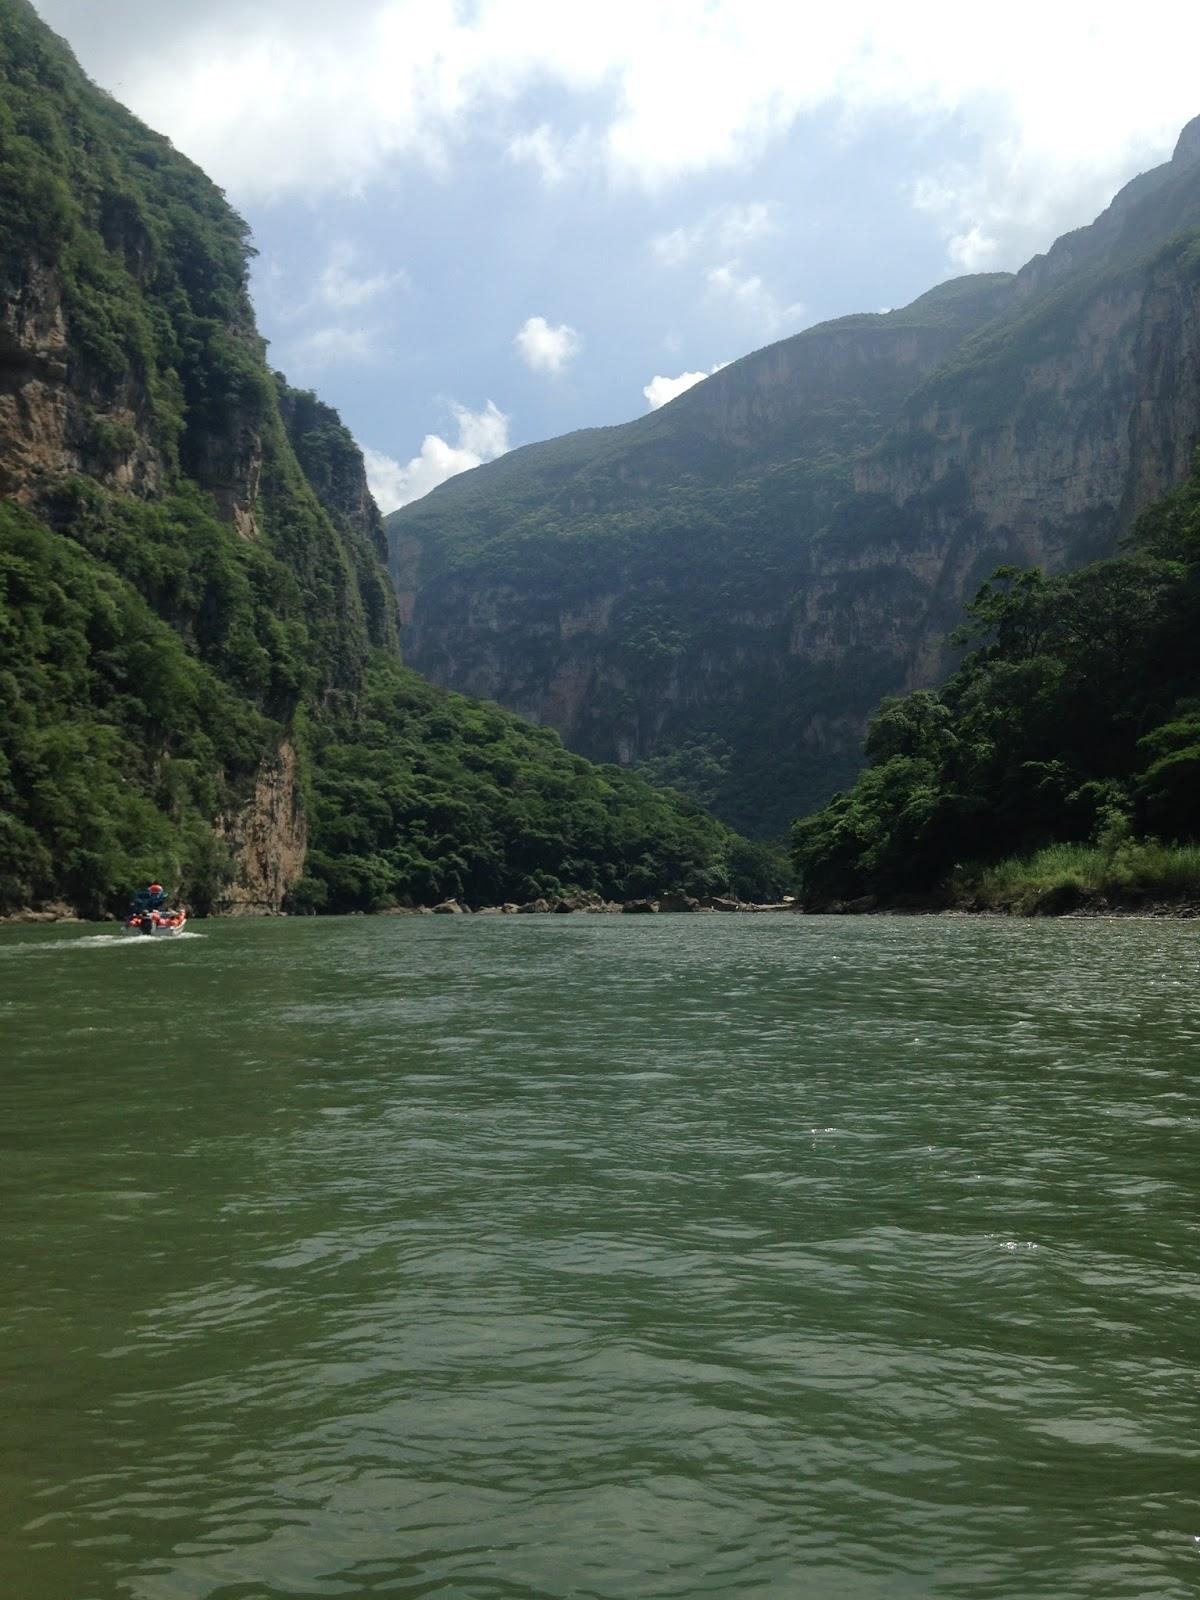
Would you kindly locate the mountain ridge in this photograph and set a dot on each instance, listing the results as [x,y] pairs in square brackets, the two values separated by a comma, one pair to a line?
[751,567]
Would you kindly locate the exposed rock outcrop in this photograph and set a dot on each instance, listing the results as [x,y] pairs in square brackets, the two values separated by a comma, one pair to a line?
[58,415]
[268,839]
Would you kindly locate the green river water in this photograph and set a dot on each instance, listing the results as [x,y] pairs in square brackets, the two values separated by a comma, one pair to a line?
[611,1257]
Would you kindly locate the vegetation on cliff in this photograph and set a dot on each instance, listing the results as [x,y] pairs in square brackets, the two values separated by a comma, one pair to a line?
[1063,756]
[145,679]
[191,575]
[149,259]
[118,746]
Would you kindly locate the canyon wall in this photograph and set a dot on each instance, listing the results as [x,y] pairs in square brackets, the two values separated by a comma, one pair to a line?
[723,590]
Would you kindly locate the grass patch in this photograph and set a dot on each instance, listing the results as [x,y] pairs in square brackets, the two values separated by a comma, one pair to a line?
[1065,875]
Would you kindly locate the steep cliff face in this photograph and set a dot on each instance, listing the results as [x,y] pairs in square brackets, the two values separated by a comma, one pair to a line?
[1089,435]
[267,838]
[199,664]
[139,422]
[333,466]
[53,420]
[724,590]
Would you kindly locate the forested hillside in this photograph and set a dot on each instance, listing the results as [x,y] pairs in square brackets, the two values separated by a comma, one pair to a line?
[1073,722]
[721,591]
[199,666]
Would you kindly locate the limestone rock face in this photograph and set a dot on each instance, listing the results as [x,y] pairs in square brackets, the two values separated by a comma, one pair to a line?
[61,415]
[33,384]
[56,415]
[333,465]
[1187,150]
[268,839]
[229,463]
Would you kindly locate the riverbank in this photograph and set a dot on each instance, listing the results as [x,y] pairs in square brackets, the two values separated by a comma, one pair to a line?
[1051,904]
[578,904]
[1136,878]
[589,904]
[56,911]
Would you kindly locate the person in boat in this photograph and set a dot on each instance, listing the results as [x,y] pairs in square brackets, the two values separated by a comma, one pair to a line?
[152,899]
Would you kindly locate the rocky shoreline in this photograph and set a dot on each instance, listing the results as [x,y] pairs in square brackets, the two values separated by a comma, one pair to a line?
[590,903]
[1053,904]
[583,903]
[56,911]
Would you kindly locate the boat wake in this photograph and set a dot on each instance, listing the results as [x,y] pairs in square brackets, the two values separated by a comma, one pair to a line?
[95,941]
[92,941]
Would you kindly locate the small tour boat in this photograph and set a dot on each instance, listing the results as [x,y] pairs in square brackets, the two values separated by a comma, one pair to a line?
[150,917]
[156,924]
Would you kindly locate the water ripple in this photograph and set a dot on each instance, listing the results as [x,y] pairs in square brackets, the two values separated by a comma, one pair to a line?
[603,1257]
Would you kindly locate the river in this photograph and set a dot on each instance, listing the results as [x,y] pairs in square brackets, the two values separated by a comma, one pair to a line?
[608,1257]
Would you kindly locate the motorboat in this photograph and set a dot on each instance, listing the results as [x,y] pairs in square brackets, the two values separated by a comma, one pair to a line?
[150,917]
[155,924]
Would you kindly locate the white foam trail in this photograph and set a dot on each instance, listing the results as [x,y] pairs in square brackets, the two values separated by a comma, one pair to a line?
[93,941]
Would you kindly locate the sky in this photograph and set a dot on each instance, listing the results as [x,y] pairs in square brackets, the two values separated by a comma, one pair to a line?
[486,222]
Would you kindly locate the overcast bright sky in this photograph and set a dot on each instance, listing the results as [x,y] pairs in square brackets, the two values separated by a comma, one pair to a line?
[484,222]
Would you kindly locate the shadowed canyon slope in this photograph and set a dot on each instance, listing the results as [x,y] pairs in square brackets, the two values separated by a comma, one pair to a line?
[723,590]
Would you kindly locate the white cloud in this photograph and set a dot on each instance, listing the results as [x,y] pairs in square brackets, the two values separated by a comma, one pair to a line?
[545,348]
[343,288]
[482,436]
[540,149]
[332,347]
[555,156]
[659,390]
[727,228]
[751,299]
[299,97]
[974,250]
[333,307]
[482,433]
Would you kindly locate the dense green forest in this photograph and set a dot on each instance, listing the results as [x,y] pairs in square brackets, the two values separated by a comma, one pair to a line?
[429,796]
[1063,756]
[191,578]
[128,726]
